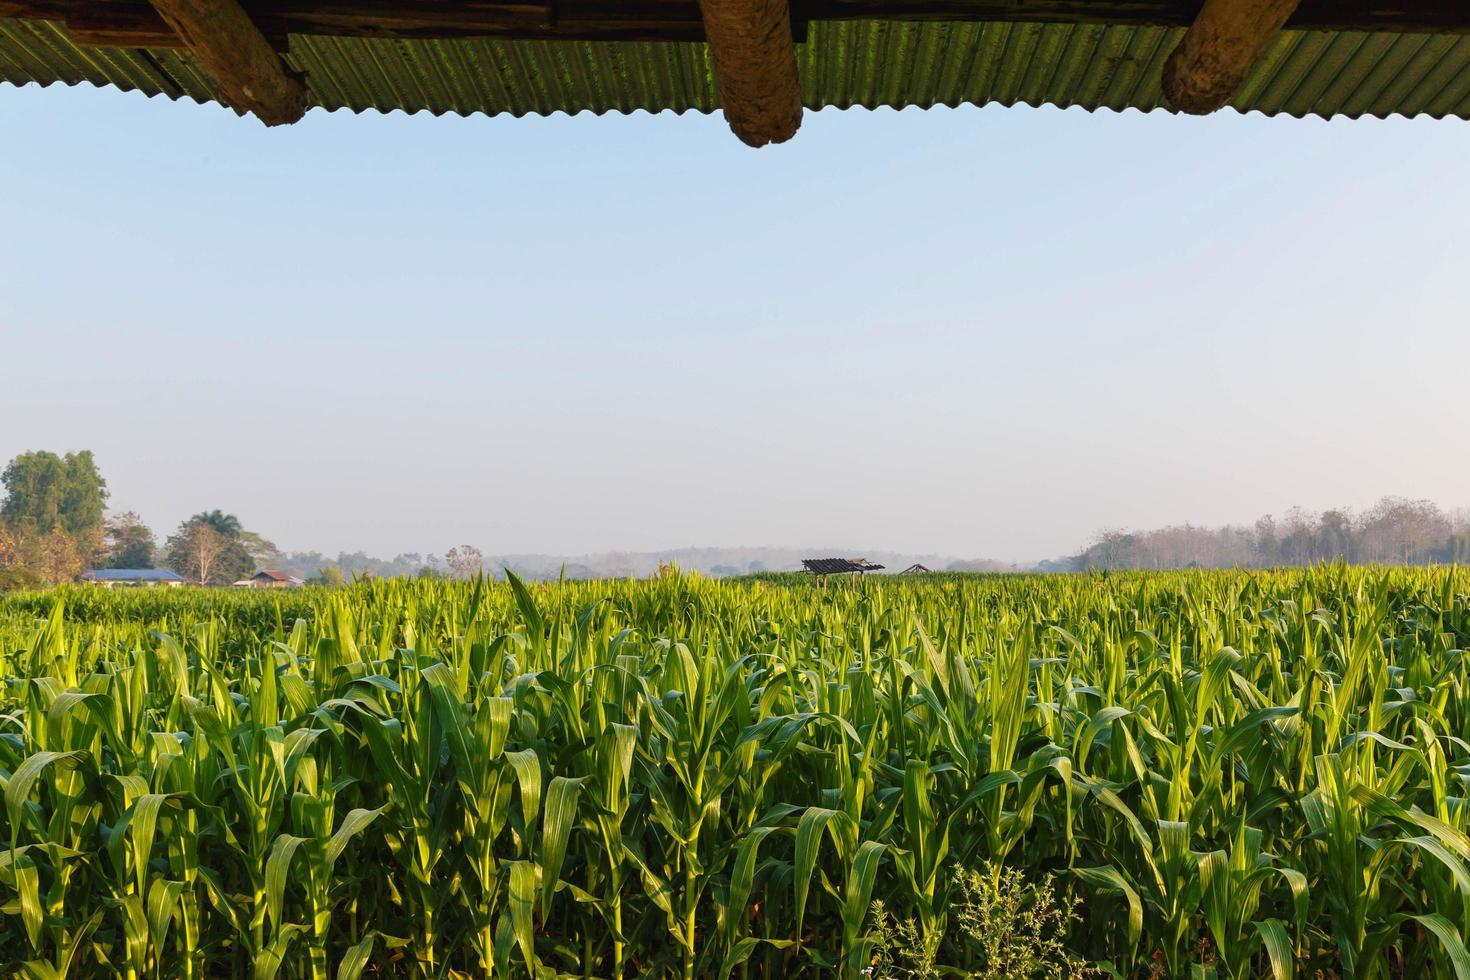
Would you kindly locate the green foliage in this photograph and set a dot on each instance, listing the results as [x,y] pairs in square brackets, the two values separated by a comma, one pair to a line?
[1222,775]
[43,491]
[51,515]
[330,575]
[16,577]
[129,542]
[226,524]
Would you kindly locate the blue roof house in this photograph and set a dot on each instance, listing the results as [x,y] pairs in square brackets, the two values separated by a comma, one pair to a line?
[131,577]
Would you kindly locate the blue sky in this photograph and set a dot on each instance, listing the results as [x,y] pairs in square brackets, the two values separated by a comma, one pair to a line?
[978,332]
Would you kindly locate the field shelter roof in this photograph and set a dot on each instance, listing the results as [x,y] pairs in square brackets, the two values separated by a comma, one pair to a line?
[838,566]
[762,61]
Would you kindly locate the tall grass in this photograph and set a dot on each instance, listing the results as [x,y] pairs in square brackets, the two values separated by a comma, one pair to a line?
[1238,774]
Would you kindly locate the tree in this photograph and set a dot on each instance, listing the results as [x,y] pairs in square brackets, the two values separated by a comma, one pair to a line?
[1268,545]
[14,575]
[51,557]
[46,492]
[226,524]
[330,576]
[61,558]
[1405,532]
[264,553]
[1298,539]
[13,578]
[195,552]
[224,547]
[1335,536]
[466,561]
[128,541]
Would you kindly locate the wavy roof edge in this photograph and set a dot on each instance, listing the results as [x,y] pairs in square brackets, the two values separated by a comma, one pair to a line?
[843,64]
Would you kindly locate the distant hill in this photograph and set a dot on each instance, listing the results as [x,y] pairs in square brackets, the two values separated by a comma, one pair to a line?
[717,562]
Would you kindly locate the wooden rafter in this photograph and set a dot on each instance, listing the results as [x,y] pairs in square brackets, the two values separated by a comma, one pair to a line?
[755,65]
[1218,51]
[134,23]
[250,75]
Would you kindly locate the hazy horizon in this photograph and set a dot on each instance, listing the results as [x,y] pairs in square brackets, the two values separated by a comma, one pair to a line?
[977,333]
[163,528]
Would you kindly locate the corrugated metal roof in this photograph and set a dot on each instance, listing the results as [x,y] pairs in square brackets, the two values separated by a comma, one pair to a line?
[838,566]
[843,63]
[131,575]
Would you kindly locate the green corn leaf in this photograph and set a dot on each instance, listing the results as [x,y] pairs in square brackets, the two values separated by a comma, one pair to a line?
[527,766]
[18,788]
[859,888]
[353,824]
[742,877]
[1449,937]
[1109,878]
[269,960]
[355,960]
[561,813]
[454,721]
[277,868]
[163,901]
[809,831]
[28,886]
[1278,948]
[522,905]
[1442,854]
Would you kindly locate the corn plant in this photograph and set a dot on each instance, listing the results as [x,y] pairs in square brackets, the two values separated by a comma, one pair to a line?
[1225,775]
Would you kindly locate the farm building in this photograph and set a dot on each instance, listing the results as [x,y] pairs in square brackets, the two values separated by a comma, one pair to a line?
[131,577]
[269,580]
[764,62]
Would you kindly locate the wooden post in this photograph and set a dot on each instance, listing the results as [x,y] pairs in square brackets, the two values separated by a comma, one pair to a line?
[1219,50]
[755,65]
[250,76]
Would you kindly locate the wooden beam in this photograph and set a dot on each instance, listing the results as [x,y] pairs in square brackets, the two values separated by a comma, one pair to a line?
[755,65]
[1220,48]
[249,74]
[134,23]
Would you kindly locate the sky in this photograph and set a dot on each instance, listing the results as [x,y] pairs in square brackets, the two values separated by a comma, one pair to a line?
[970,332]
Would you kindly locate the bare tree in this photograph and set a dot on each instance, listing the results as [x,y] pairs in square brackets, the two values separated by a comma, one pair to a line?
[1403,531]
[466,561]
[1335,536]
[1268,541]
[195,552]
[1298,532]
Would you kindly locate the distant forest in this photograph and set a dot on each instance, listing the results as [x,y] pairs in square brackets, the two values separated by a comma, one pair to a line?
[1393,531]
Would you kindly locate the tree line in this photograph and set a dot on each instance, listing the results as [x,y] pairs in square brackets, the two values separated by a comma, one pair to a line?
[1394,531]
[54,524]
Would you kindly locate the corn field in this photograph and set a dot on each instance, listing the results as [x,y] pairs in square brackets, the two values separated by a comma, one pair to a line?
[1234,774]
